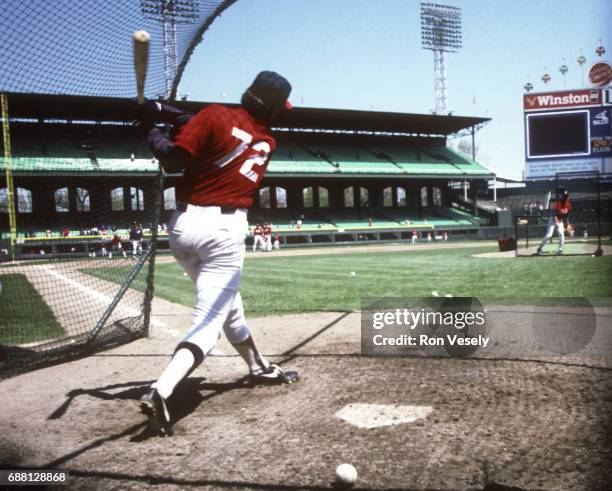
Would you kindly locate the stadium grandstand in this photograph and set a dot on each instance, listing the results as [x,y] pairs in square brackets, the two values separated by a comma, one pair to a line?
[336,176]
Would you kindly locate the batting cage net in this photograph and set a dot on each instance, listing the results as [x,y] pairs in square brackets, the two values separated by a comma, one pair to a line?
[85,47]
[80,195]
[79,219]
[573,222]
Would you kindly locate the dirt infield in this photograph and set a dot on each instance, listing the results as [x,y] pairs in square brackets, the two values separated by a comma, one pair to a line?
[607,250]
[539,424]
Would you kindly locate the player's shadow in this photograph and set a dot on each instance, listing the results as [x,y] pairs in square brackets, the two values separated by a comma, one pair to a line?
[132,390]
[187,396]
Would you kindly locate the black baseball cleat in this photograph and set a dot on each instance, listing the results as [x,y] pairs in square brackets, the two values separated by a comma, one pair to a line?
[273,375]
[560,252]
[154,407]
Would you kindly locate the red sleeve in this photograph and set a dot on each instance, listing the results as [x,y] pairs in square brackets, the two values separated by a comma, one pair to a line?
[192,136]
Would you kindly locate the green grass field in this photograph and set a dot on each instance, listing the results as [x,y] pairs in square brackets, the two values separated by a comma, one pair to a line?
[284,284]
[25,316]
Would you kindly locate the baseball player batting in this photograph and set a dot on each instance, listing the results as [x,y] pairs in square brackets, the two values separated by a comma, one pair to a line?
[558,220]
[223,154]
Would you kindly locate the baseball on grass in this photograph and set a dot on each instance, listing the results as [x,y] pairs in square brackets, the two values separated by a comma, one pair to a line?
[434,293]
[353,273]
[346,474]
[142,36]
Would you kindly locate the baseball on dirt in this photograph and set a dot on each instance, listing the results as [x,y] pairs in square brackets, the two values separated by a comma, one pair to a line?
[346,474]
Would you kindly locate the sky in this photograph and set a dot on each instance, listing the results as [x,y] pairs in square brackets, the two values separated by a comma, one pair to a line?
[367,55]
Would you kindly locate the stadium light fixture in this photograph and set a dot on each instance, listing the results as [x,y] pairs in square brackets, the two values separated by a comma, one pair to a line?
[170,13]
[440,33]
[563,69]
[581,60]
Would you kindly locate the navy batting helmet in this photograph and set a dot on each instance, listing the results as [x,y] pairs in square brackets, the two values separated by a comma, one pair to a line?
[562,193]
[267,95]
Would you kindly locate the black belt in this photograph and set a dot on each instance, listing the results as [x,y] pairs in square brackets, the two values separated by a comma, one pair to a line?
[226,210]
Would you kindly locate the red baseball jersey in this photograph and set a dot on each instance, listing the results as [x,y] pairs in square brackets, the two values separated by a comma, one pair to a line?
[231,149]
[561,208]
[257,231]
[267,230]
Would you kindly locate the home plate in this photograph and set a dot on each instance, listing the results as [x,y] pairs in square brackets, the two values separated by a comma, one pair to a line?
[375,415]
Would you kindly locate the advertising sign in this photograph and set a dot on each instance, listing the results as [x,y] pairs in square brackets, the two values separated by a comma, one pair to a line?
[600,74]
[560,100]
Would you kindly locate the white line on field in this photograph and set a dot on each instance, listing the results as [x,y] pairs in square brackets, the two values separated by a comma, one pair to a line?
[103,298]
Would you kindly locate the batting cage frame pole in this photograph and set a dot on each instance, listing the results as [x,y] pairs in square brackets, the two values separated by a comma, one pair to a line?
[599,251]
[8,173]
[93,334]
[150,281]
[596,176]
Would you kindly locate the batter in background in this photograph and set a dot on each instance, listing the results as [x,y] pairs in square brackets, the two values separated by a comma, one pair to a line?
[558,220]
[223,154]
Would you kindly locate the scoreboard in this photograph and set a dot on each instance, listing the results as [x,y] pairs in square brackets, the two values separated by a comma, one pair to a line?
[568,131]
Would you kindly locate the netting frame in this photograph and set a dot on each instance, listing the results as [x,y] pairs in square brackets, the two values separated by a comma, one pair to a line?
[596,175]
[105,332]
[527,220]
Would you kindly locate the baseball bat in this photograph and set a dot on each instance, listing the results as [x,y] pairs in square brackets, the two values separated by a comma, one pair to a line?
[141,60]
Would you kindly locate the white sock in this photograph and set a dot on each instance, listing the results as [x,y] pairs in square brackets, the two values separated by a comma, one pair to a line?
[252,358]
[176,371]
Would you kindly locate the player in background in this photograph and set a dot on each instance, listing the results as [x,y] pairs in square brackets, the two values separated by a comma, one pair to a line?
[267,237]
[558,220]
[115,245]
[136,237]
[415,236]
[258,238]
[277,242]
[222,153]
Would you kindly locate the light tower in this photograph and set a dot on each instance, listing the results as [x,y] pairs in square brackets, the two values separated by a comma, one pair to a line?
[440,33]
[563,70]
[581,60]
[170,13]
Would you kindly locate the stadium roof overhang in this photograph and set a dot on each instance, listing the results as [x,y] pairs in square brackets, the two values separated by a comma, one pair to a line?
[371,121]
[78,108]
[459,176]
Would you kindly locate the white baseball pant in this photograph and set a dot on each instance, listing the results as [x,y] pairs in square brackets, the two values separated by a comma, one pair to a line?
[209,245]
[258,239]
[136,247]
[549,232]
